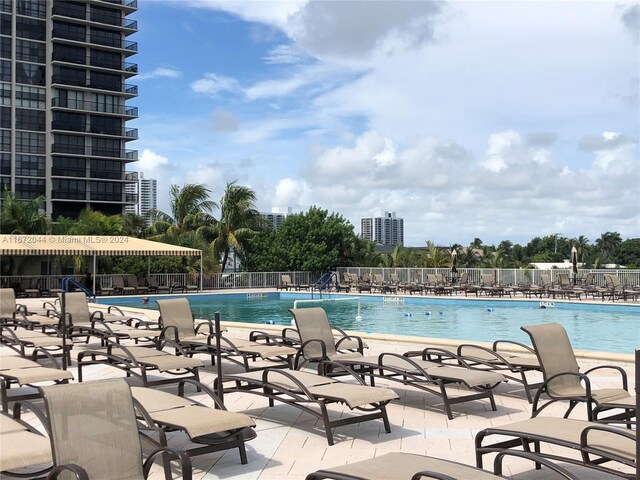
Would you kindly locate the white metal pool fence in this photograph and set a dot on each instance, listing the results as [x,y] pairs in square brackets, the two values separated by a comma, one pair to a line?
[240,280]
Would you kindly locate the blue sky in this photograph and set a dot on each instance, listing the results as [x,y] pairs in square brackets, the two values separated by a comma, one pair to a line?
[497,120]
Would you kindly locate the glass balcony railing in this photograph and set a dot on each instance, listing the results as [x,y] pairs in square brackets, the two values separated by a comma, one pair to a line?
[72,104]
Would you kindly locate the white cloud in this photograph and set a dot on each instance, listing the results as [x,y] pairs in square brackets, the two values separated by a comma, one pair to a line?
[284,54]
[159,73]
[213,84]
[150,161]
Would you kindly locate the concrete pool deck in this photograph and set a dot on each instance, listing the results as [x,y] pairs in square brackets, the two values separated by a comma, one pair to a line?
[290,444]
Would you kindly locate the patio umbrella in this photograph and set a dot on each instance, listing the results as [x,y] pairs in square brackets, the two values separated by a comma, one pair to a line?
[574,262]
[454,260]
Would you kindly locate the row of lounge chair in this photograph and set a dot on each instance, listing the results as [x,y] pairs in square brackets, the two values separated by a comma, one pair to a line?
[310,392]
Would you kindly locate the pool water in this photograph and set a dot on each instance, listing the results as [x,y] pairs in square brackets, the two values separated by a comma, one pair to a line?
[604,328]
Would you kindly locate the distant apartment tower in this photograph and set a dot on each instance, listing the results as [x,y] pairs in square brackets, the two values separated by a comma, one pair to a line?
[385,230]
[142,191]
[275,218]
[63,91]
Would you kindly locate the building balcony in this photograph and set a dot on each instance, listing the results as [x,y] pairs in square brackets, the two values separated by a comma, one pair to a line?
[125,46]
[121,110]
[128,69]
[126,89]
[127,5]
[124,154]
[92,17]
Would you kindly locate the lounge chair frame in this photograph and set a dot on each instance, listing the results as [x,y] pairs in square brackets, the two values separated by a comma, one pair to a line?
[212,442]
[411,373]
[526,435]
[265,384]
[20,434]
[130,361]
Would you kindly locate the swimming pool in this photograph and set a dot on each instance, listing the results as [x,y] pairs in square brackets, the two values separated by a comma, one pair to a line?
[604,328]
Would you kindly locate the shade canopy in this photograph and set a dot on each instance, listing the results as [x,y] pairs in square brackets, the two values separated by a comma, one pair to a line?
[94,245]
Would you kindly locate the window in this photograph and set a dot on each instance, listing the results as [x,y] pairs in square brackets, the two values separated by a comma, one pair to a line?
[69,76]
[30,28]
[30,97]
[69,121]
[5,25]
[29,51]
[69,53]
[5,164]
[5,140]
[5,5]
[68,143]
[70,31]
[5,94]
[69,9]
[106,147]
[108,103]
[106,169]
[32,8]
[105,15]
[5,47]
[101,58]
[30,73]
[5,116]
[28,188]
[69,167]
[30,165]
[106,191]
[106,125]
[30,119]
[106,81]
[69,98]
[70,189]
[5,71]
[106,37]
[30,142]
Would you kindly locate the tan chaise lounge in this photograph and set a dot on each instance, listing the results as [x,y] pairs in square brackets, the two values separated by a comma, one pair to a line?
[22,447]
[307,390]
[317,341]
[213,428]
[596,443]
[93,426]
[25,373]
[562,377]
[410,466]
[140,362]
[452,384]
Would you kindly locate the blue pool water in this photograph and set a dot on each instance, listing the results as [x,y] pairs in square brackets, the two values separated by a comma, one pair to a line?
[604,328]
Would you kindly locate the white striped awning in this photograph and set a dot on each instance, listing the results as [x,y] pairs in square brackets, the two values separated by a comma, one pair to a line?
[89,245]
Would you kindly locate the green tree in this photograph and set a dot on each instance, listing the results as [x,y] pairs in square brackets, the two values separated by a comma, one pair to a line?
[608,243]
[190,210]
[437,257]
[23,216]
[134,225]
[628,253]
[313,241]
[239,221]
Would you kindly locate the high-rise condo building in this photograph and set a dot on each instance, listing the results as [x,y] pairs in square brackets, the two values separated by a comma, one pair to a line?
[64,71]
[143,191]
[385,230]
[275,219]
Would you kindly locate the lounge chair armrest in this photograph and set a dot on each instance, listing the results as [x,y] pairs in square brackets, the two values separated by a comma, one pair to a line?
[290,340]
[496,344]
[620,370]
[161,344]
[184,459]
[98,314]
[328,366]
[21,308]
[538,459]
[441,355]
[200,387]
[351,337]
[116,308]
[474,361]
[581,376]
[78,472]
[172,331]
[268,338]
[430,474]
[407,358]
[617,435]
[205,323]
[323,347]
[38,351]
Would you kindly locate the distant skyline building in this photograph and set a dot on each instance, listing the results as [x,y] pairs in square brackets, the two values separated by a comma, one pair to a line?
[64,86]
[384,230]
[276,218]
[142,191]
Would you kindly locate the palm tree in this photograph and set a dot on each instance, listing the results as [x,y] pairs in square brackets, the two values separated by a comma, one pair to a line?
[134,225]
[190,210]
[437,257]
[239,221]
[608,243]
[23,217]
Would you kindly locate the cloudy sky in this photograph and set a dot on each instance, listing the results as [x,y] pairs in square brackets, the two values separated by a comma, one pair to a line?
[497,120]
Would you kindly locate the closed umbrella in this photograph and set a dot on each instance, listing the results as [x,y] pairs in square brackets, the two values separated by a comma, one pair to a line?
[454,260]
[574,263]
